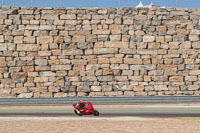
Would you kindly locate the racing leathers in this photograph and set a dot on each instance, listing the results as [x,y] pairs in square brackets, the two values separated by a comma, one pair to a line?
[81,108]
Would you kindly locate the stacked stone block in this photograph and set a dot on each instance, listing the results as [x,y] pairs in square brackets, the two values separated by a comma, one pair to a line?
[61,52]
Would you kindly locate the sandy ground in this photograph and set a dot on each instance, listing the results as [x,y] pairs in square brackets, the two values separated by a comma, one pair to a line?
[100,126]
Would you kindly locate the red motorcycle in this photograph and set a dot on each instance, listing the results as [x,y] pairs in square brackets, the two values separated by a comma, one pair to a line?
[89,110]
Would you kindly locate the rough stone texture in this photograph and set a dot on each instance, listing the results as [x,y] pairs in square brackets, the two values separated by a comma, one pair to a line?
[46,52]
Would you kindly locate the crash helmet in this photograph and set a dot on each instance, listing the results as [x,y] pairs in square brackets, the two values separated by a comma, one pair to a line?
[81,102]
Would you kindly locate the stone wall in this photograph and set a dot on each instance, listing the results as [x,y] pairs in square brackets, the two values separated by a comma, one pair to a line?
[59,52]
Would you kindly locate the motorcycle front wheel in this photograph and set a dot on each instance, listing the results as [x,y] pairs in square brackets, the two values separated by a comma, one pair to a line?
[96,112]
[77,113]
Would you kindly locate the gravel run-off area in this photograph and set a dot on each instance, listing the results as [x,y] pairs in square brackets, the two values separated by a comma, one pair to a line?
[100,126]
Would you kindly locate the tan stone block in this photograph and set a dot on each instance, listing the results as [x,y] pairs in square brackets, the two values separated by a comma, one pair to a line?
[194,72]
[3,47]
[170,72]
[148,38]
[104,50]
[79,61]
[194,37]
[71,24]
[46,94]
[193,87]
[32,27]
[46,27]
[1,39]
[27,84]
[42,68]
[128,21]
[19,75]
[28,68]
[25,95]
[139,32]
[102,11]
[121,78]
[35,22]
[82,94]
[49,16]
[19,90]
[129,93]
[73,78]
[191,78]
[176,79]
[152,93]
[18,39]
[160,39]
[8,22]
[27,47]
[54,89]
[78,38]
[60,67]
[89,78]
[98,45]
[94,94]
[72,52]
[114,93]
[160,87]
[60,94]
[32,74]
[183,31]
[147,78]
[161,28]
[92,61]
[44,53]
[1,21]
[140,17]
[68,16]
[115,60]
[101,32]
[88,51]
[127,51]
[161,67]
[27,17]
[29,39]
[44,39]
[103,61]
[105,78]
[149,88]
[41,79]
[139,88]
[115,32]
[195,32]
[132,61]
[72,94]
[106,88]
[41,62]
[95,88]
[58,39]
[116,44]
[115,38]
[109,21]
[59,22]
[196,45]
[136,78]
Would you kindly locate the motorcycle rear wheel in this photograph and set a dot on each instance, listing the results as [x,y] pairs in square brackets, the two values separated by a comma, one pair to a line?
[96,112]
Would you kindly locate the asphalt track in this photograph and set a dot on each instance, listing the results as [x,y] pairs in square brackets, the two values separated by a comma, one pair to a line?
[148,111]
[151,112]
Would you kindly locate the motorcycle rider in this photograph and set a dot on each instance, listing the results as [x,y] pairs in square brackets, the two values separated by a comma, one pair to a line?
[81,107]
